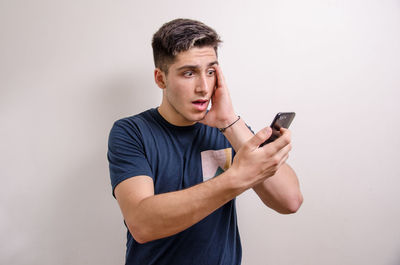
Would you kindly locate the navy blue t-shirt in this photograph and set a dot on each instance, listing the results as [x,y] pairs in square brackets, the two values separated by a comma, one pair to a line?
[176,158]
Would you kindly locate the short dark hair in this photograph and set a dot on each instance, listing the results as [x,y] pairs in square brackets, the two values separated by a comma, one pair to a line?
[180,35]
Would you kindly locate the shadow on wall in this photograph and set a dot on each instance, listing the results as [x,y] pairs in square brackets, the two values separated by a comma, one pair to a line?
[86,219]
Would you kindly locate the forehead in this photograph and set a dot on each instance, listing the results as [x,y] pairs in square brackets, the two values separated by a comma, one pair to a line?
[195,57]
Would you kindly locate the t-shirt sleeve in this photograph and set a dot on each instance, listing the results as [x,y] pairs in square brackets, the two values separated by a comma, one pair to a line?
[126,154]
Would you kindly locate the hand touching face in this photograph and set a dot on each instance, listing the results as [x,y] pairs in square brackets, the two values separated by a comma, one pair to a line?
[188,86]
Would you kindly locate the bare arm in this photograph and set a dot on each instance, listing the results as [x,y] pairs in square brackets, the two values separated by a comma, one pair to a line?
[151,217]
[280,192]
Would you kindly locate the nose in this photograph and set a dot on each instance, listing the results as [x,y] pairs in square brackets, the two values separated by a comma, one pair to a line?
[204,84]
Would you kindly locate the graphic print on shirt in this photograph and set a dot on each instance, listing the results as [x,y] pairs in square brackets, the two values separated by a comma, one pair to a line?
[215,162]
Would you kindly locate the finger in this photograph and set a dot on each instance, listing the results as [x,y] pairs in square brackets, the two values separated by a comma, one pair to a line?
[260,137]
[283,130]
[280,156]
[282,141]
[220,76]
[284,159]
[284,154]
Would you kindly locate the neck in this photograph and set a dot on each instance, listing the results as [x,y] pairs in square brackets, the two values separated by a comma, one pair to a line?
[172,116]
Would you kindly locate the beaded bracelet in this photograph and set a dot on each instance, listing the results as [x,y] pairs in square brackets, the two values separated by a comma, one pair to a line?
[223,129]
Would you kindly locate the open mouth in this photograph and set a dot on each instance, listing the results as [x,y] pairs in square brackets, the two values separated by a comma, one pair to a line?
[200,104]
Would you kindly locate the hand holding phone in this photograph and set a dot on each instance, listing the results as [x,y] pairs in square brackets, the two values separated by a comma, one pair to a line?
[281,120]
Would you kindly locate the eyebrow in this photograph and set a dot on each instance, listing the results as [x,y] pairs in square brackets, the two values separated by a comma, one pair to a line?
[189,66]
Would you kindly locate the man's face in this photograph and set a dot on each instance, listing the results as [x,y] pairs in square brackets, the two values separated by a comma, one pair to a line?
[189,85]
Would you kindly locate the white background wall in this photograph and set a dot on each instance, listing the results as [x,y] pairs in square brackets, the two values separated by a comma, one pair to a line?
[68,69]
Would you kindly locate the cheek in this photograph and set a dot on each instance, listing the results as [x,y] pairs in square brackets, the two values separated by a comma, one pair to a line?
[174,85]
[178,91]
[212,81]
[183,87]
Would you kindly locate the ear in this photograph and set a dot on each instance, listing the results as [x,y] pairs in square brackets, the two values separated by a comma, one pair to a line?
[160,78]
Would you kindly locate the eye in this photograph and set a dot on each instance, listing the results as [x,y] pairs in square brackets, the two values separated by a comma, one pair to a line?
[188,74]
[211,72]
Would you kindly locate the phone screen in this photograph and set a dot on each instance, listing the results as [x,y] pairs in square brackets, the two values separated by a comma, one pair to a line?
[281,120]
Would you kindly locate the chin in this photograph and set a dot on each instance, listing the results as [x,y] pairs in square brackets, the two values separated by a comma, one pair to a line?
[193,116]
[200,116]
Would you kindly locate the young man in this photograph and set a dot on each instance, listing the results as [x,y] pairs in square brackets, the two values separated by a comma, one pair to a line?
[171,167]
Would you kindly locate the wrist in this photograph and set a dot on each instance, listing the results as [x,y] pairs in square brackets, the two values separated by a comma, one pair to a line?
[227,123]
[233,182]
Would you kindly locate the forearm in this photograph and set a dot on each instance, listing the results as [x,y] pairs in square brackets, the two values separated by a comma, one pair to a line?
[163,215]
[238,134]
[281,192]
[280,184]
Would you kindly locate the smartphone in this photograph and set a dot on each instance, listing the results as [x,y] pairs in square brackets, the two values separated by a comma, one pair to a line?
[281,120]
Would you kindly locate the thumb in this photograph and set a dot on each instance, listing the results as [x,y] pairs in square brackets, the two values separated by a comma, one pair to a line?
[260,137]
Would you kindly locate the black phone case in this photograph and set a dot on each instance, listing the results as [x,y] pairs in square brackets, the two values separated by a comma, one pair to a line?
[281,120]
